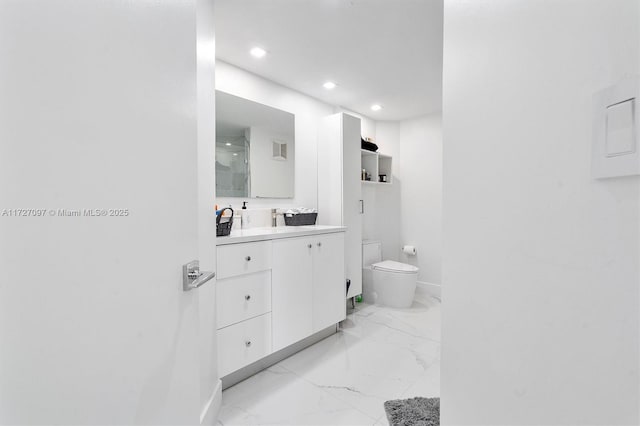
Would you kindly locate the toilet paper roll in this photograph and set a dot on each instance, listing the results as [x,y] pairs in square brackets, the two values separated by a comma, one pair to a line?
[410,250]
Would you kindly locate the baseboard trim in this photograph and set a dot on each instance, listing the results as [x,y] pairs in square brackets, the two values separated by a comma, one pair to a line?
[209,415]
[434,290]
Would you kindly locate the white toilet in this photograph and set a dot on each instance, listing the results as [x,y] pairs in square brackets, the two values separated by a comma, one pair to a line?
[386,283]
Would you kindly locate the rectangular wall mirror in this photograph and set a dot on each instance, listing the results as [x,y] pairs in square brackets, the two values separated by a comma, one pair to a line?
[255,149]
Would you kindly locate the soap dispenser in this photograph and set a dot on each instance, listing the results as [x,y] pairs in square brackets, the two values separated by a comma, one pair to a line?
[244,216]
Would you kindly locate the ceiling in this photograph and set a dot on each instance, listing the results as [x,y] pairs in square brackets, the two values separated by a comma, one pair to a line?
[387,52]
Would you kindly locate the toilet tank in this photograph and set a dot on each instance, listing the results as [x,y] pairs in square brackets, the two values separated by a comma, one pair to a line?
[371,252]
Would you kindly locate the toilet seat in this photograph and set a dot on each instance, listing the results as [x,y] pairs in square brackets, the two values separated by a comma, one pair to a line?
[395,267]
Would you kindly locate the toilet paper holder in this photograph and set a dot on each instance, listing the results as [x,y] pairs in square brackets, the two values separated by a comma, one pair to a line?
[409,250]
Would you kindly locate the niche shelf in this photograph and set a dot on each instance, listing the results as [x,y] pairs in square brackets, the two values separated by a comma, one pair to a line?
[376,164]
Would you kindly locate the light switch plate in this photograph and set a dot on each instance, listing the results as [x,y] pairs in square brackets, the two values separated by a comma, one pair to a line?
[621,128]
[616,119]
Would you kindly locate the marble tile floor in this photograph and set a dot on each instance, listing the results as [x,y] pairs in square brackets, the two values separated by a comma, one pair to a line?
[379,354]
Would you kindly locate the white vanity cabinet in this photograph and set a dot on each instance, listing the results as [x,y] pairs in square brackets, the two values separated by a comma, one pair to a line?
[277,291]
[308,286]
[243,304]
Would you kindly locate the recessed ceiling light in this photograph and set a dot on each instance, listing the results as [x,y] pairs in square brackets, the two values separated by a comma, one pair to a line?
[235,154]
[376,107]
[228,144]
[258,52]
[329,85]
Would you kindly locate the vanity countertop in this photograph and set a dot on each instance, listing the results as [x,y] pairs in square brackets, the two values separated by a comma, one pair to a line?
[272,233]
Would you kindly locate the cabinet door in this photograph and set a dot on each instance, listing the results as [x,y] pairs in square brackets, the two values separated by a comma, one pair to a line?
[291,292]
[329,286]
[352,193]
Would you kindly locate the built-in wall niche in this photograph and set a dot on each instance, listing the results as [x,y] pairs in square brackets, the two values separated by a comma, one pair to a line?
[376,168]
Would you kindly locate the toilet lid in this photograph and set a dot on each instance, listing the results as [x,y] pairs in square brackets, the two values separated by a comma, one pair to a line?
[391,266]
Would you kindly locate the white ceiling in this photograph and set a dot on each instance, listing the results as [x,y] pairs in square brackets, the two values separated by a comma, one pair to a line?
[378,51]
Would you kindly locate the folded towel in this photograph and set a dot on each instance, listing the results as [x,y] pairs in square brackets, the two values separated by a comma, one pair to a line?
[299,210]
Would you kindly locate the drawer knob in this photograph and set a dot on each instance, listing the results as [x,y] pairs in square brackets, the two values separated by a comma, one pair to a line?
[247,297]
[309,246]
[247,343]
[319,244]
[248,258]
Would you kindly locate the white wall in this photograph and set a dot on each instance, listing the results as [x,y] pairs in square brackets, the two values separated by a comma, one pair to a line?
[419,176]
[541,274]
[308,112]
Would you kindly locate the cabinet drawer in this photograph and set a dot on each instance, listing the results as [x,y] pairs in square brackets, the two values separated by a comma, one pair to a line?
[244,258]
[241,344]
[243,297]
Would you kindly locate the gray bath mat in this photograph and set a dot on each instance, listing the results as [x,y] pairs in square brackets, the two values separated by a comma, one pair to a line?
[413,412]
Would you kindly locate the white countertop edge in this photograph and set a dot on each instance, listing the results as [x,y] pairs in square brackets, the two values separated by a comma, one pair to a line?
[264,234]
